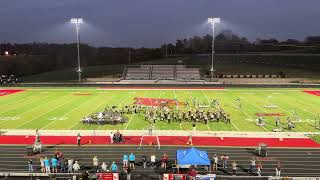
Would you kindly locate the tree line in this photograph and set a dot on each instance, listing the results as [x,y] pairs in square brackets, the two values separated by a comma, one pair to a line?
[33,58]
[228,42]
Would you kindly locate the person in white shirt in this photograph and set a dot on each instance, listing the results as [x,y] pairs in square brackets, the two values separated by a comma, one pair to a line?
[215,162]
[153,161]
[70,165]
[95,161]
[104,166]
[76,167]
[111,137]
[234,168]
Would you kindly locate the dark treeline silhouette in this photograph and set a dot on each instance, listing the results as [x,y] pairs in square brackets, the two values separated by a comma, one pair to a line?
[228,42]
[33,58]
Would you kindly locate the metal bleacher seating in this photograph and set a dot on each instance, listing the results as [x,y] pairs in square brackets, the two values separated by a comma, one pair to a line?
[166,72]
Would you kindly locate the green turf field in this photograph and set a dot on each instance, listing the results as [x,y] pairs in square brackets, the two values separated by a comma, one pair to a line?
[53,108]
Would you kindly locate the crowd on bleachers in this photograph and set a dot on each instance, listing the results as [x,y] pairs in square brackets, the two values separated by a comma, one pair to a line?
[8,79]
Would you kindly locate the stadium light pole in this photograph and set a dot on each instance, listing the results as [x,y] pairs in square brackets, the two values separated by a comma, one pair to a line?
[212,21]
[77,22]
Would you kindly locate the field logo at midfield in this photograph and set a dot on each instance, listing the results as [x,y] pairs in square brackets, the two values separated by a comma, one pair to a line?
[9,118]
[156,102]
[313,92]
[4,92]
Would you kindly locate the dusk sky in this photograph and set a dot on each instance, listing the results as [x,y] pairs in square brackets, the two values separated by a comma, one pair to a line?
[150,23]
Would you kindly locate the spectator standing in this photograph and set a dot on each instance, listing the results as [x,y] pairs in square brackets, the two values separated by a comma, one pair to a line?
[95,162]
[114,167]
[104,167]
[76,167]
[234,168]
[192,174]
[70,166]
[111,137]
[153,161]
[30,165]
[79,139]
[37,136]
[259,168]
[47,164]
[54,163]
[252,165]
[132,159]
[278,170]
[128,173]
[125,160]
[164,161]
[224,159]
[215,162]
[190,140]
[144,161]
[42,165]
[62,164]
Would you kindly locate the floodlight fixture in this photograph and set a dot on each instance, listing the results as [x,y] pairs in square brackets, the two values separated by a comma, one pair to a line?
[77,22]
[213,20]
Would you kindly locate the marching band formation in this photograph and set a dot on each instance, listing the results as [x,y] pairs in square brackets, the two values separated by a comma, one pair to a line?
[197,113]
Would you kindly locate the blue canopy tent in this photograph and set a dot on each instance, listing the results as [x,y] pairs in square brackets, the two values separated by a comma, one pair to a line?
[192,156]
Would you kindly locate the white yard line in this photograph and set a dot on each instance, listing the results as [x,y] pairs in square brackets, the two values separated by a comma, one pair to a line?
[129,122]
[41,114]
[53,121]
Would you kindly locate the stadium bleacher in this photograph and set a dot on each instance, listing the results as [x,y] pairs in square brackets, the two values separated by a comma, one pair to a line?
[163,72]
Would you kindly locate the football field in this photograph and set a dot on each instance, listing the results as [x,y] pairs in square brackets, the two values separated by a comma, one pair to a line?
[64,108]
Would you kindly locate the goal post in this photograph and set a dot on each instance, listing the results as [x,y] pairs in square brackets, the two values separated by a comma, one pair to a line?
[149,139]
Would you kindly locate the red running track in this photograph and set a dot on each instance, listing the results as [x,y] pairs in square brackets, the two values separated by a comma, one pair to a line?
[165,140]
